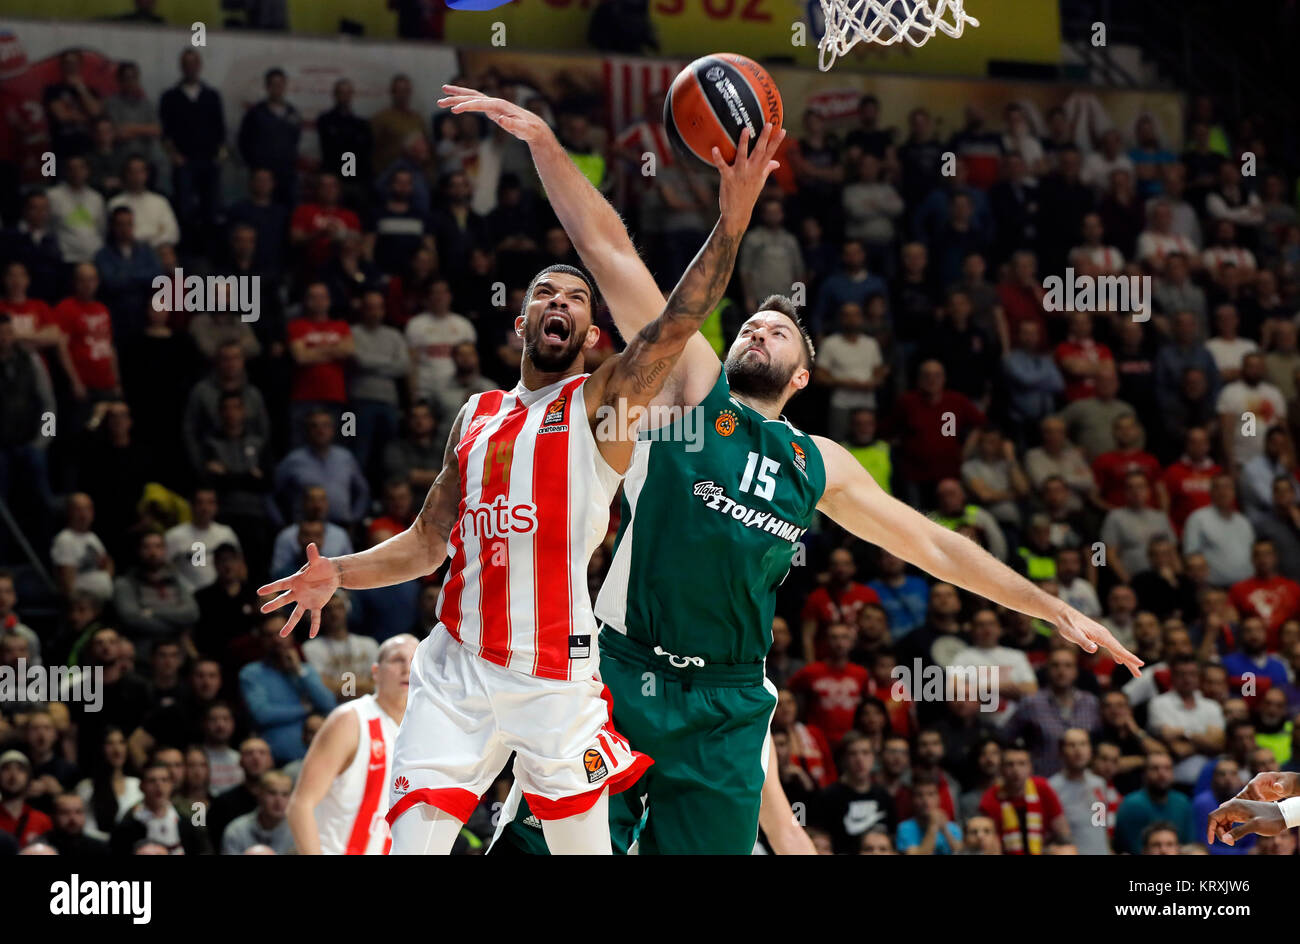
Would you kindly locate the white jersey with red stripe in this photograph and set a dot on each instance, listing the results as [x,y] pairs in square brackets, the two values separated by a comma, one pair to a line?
[535,498]
[350,817]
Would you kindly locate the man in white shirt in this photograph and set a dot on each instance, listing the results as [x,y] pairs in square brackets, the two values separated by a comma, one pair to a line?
[850,363]
[1222,533]
[155,223]
[192,545]
[1190,724]
[432,337]
[1099,165]
[79,556]
[342,658]
[77,210]
[1248,408]
[1015,677]
[1160,240]
[770,259]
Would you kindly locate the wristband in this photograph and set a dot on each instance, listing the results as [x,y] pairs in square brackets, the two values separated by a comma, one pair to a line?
[1290,808]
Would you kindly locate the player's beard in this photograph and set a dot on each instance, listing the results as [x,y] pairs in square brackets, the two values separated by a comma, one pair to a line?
[761,379]
[553,362]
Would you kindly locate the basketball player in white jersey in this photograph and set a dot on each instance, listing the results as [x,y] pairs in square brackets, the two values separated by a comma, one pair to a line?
[339,803]
[520,504]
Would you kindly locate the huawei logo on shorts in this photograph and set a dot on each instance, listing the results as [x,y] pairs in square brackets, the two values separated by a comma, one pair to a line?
[401,784]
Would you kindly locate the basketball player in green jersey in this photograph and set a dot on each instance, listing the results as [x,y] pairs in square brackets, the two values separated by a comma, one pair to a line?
[708,530]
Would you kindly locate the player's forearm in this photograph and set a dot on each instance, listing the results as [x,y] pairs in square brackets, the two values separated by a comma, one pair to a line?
[960,561]
[593,225]
[302,823]
[412,554]
[702,285]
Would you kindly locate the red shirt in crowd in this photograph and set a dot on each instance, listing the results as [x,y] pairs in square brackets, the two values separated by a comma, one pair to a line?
[90,342]
[28,317]
[825,606]
[328,381]
[1188,486]
[926,454]
[34,823]
[1274,600]
[991,806]
[1077,387]
[834,695]
[1111,468]
[308,219]
[1022,304]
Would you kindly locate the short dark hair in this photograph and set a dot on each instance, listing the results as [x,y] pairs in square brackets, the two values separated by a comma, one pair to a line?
[786,306]
[272,73]
[567,270]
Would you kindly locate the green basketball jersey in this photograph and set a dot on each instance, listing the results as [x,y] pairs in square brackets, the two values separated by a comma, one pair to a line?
[713,509]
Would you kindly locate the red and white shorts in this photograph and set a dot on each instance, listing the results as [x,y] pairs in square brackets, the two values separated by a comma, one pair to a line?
[465,715]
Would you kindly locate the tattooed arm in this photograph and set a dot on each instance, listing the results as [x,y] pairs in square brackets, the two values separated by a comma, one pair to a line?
[415,552]
[624,386]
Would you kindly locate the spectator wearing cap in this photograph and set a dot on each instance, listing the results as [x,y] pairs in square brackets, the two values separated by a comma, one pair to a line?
[19,818]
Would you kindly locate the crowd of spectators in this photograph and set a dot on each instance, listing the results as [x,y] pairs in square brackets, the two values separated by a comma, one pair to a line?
[160,464]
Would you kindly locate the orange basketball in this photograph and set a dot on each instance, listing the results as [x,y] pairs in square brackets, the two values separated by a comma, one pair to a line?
[714,99]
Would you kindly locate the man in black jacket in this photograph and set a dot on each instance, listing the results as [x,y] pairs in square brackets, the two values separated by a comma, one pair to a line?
[155,819]
[342,132]
[194,136]
[268,137]
[68,835]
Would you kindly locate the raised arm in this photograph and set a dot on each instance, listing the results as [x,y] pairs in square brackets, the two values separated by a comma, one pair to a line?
[593,225]
[858,504]
[415,552]
[624,385]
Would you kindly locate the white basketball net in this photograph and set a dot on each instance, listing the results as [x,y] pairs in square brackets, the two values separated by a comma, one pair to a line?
[886,22]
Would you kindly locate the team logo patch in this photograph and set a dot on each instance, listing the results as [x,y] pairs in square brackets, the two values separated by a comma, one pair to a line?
[725,424]
[800,458]
[377,749]
[594,764]
[553,421]
[401,784]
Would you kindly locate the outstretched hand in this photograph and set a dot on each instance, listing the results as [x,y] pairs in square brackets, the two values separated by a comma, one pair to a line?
[743,179]
[520,122]
[309,589]
[1088,635]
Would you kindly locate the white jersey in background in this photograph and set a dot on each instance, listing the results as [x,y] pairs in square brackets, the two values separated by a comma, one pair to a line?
[350,818]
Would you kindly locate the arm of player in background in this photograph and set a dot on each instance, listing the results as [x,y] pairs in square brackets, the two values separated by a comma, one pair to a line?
[854,500]
[600,238]
[627,383]
[415,552]
[776,818]
[328,756]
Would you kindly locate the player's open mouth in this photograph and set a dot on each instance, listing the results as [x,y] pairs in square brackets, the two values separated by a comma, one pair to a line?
[556,327]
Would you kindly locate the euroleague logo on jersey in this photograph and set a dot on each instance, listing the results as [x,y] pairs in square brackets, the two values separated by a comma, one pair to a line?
[553,421]
[800,457]
[594,764]
[401,785]
[725,424]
